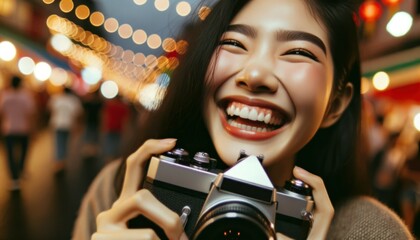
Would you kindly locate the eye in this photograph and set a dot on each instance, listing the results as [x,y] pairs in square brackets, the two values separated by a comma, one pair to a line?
[232,42]
[302,52]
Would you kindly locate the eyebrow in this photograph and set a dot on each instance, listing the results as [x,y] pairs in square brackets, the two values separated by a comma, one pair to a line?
[282,35]
[286,35]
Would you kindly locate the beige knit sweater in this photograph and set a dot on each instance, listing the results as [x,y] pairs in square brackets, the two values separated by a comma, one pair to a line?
[359,218]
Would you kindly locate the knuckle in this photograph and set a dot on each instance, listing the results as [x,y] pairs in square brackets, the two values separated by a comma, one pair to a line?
[148,144]
[142,195]
[174,223]
[318,182]
[101,218]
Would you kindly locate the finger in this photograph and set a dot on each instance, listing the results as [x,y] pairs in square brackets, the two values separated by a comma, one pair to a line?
[319,192]
[324,210]
[128,234]
[138,159]
[141,203]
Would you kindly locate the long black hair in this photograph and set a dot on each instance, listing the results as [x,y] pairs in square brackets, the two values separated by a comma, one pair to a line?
[331,154]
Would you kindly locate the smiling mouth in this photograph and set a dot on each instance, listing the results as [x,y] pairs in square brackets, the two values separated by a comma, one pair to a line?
[253,119]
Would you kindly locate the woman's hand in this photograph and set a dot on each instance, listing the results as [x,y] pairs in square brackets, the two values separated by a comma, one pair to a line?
[112,224]
[324,210]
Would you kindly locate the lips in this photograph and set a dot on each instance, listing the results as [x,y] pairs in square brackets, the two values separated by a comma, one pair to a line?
[252,120]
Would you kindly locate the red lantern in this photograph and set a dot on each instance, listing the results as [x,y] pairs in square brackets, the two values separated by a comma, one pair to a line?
[370,11]
[391,2]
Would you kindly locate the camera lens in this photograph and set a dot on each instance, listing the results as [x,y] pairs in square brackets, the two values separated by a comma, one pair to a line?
[233,221]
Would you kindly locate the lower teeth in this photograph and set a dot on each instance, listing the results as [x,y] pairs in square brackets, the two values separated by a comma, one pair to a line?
[233,123]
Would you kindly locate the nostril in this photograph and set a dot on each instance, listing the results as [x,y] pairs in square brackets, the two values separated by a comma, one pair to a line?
[255,87]
[263,89]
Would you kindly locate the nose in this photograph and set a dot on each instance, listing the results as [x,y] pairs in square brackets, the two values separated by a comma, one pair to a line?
[258,79]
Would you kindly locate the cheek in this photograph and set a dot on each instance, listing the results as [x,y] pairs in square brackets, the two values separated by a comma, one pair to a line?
[224,66]
[308,85]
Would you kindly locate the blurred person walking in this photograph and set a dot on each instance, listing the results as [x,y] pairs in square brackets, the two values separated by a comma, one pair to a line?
[115,116]
[92,105]
[66,109]
[17,113]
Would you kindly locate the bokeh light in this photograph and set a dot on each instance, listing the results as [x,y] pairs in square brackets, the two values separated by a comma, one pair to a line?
[400,24]
[381,80]
[42,71]
[60,42]
[26,65]
[109,89]
[150,96]
[154,41]
[91,75]
[59,77]
[139,36]
[82,12]
[66,6]
[183,8]
[139,2]
[97,19]
[125,31]
[111,25]
[416,121]
[161,5]
[7,51]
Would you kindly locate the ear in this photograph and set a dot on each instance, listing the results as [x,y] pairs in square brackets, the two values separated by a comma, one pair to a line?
[338,106]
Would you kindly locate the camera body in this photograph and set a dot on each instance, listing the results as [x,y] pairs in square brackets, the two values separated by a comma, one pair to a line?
[240,202]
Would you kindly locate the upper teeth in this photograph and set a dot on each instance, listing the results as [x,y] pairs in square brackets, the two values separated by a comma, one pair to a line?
[252,113]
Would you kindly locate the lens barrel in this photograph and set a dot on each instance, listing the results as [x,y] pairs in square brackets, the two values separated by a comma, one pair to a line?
[233,221]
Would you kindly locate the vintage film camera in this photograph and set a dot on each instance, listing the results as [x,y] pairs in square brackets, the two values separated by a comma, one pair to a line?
[239,203]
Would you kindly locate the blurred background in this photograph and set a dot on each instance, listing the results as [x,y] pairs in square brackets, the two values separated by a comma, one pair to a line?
[115,58]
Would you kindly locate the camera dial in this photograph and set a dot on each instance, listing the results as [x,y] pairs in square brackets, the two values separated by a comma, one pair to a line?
[203,161]
[178,155]
[295,185]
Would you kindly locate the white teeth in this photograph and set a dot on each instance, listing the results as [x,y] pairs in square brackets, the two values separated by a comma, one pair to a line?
[230,111]
[267,118]
[233,123]
[260,117]
[236,112]
[244,112]
[251,113]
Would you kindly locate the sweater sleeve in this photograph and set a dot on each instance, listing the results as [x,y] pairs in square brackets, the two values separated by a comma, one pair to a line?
[367,218]
[99,197]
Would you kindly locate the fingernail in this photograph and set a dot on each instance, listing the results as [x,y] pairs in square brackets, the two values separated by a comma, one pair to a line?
[168,140]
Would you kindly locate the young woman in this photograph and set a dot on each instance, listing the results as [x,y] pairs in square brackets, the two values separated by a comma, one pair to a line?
[274,77]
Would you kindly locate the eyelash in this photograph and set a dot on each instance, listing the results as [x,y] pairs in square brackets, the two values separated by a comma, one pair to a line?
[232,42]
[296,51]
[302,52]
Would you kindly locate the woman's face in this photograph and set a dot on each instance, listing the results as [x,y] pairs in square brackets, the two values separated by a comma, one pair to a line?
[269,82]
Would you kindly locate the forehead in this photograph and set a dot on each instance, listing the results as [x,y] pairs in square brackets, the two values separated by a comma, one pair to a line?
[274,15]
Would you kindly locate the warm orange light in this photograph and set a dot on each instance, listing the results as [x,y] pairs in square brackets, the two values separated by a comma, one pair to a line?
[97,19]
[370,11]
[82,12]
[66,5]
[139,36]
[169,45]
[111,25]
[391,2]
